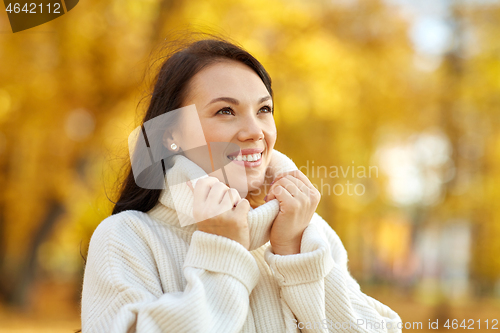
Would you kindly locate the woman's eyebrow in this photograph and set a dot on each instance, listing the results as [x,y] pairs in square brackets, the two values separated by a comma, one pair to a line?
[234,101]
[263,99]
[224,99]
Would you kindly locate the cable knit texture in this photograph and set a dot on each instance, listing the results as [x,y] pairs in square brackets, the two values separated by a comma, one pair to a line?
[154,272]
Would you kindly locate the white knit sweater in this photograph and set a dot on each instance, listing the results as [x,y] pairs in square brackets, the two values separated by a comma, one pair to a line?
[146,273]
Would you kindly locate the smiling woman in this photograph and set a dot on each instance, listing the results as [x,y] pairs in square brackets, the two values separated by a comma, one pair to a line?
[236,248]
[234,105]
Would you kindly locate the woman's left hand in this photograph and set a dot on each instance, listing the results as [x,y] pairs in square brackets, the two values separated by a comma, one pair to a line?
[298,200]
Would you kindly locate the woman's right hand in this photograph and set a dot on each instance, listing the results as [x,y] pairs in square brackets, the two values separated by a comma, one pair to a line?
[220,210]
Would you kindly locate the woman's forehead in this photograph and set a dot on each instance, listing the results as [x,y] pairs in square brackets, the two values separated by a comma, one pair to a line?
[232,79]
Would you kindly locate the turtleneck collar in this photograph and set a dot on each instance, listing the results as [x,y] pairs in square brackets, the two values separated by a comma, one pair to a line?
[175,205]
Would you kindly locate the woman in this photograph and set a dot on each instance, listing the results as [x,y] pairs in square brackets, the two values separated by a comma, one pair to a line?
[197,255]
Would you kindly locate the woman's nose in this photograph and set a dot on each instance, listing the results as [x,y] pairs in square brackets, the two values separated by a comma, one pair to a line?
[251,129]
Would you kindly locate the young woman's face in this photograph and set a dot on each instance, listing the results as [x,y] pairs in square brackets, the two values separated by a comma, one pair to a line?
[234,106]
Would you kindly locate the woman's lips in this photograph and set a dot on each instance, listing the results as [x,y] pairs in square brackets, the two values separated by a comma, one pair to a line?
[249,157]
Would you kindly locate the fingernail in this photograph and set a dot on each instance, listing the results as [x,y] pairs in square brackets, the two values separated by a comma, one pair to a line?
[265,198]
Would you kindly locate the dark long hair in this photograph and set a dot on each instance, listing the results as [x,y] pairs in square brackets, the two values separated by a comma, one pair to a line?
[169,92]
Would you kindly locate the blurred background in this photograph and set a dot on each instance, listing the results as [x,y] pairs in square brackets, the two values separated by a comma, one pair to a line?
[391,107]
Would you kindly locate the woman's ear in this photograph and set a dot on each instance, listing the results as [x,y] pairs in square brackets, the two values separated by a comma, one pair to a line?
[169,142]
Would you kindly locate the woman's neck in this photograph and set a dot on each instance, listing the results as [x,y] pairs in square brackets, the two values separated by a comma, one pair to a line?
[256,197]
[256,200]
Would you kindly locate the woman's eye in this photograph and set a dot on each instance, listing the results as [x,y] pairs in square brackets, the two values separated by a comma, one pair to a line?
[226,111]
[266,109]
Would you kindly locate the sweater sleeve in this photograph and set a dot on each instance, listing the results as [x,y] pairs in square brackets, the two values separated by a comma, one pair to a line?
[122,291]
[318,288]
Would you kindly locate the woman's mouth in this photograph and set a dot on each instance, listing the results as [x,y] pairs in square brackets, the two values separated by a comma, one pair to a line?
[247,157]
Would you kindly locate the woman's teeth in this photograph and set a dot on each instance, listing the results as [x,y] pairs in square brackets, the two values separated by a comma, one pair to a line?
[246,158]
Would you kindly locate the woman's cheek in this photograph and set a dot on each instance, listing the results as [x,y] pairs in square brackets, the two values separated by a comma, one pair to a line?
[270,135]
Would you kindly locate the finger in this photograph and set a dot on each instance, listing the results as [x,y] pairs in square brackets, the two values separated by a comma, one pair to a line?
[281,185]
[280,193]
[202,188]
[242,207]
[290,186]
[313,192]
[299,183]
[235,196]
[217,193]
[226,202]
[190,185]
[231,198]
[297,174]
